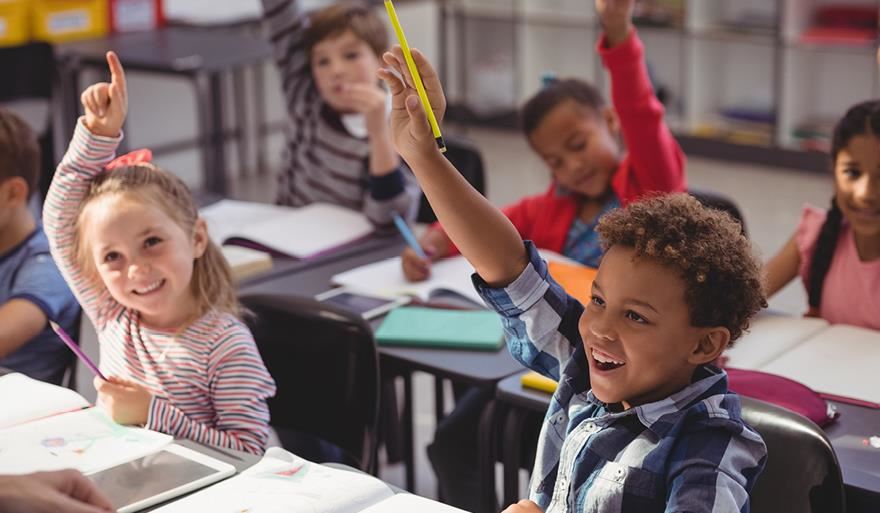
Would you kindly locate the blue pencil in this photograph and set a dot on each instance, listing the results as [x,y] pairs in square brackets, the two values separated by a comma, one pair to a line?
[409,236]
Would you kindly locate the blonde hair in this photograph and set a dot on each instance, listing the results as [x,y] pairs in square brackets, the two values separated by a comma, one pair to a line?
[211,283]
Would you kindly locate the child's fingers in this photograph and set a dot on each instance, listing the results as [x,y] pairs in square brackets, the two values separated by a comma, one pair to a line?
[399,63]
[393,62]
[86,99]
[426,70]
[117,76]
[99,384]
[395,86]
[419,126]
[95,99]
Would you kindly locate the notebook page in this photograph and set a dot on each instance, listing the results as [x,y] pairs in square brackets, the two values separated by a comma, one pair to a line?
[25,399]
[298,232]
[309,230]
[770,336]
[284,483]
[386,278]
[230,218]
[87,440]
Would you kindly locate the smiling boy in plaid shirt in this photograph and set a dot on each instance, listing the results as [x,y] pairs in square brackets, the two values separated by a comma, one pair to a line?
[641,420]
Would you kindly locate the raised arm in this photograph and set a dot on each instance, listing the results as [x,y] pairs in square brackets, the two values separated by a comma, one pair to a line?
[483,234]
[656,162]
[93,146]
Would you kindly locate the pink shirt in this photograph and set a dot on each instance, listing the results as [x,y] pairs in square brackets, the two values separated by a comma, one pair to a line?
[851,291]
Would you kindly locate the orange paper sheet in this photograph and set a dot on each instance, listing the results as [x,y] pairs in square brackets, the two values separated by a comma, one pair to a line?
[577,280]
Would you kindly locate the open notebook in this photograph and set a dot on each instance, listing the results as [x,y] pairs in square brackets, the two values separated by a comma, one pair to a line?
[282,482]
[49,428]
[453,275]
[837,360]
[386,278]
[295,232]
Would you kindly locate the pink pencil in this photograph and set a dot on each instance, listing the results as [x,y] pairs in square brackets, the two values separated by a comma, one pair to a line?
[76,349]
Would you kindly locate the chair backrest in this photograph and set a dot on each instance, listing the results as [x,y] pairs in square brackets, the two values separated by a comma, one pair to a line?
[326,368]
[465,156]
[719,201]
[802,472]
[69,378]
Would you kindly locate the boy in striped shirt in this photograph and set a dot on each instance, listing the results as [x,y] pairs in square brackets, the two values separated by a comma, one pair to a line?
[338,144]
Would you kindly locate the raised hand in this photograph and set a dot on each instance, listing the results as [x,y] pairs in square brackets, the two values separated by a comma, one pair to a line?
[616,18]
[106,105]
[369,100]
[410,130]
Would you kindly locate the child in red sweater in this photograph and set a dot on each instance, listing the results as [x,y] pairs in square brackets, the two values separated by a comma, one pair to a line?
[571,127]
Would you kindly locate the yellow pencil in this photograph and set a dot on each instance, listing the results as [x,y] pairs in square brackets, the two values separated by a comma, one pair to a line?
[417,79]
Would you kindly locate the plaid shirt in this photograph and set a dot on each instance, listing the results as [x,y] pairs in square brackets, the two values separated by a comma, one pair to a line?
[690,452]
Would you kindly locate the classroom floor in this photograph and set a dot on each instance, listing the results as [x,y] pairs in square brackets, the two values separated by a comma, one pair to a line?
[770,199]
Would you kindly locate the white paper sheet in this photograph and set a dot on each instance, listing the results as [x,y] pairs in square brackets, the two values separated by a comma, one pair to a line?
[87,440]
[24,399]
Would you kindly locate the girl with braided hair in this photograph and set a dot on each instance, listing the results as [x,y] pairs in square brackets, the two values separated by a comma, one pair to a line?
[837,252]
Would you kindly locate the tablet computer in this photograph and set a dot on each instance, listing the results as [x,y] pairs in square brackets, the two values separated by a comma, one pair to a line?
[158,477]
[366,305]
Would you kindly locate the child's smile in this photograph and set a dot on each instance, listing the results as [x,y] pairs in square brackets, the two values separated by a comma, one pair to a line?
[857,185]
[637,331]
[144,258]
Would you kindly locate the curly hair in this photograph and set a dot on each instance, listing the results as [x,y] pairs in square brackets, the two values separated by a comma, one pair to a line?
[706,247]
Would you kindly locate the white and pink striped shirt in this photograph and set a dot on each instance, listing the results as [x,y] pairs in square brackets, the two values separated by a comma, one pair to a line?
[208,381]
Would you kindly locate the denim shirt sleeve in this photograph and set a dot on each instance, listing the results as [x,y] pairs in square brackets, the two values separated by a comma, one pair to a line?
[540,320]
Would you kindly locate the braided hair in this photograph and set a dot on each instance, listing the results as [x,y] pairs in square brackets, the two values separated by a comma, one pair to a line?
[861,119]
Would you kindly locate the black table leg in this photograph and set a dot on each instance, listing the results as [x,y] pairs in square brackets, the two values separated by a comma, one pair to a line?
[408,437]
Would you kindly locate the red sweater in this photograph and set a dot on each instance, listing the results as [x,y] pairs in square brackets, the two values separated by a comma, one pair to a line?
[655,162]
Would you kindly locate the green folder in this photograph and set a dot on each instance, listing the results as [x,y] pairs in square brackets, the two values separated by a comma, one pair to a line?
[435,327]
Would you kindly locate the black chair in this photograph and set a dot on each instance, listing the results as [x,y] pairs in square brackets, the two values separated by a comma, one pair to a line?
[467,159]
[326,367]
[32,76]
[721,202]
[69,378]
[802,472]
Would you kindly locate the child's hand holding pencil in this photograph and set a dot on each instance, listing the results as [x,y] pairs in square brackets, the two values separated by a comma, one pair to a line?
[411,131]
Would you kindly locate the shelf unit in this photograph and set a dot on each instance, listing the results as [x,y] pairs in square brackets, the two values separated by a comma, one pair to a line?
[736,78]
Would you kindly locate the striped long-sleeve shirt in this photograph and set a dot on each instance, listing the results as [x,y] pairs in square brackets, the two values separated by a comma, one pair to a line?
[690,452]
[208,381]
[323,161]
